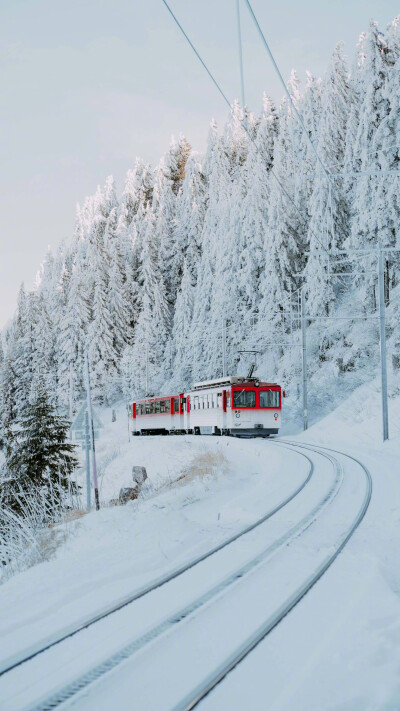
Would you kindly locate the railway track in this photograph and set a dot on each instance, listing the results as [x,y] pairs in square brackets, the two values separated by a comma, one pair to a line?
[199,605]
[66,632]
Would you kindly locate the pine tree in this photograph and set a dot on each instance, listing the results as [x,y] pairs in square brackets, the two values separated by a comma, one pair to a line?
[287,227]
[329,214]
[182,327]
[42,459]
[190,210]
[2,368]
[387,143]
[374,109]
[152,331]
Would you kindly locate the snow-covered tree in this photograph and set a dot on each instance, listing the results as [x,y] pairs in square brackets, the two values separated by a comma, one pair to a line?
[41,457]
[329,214]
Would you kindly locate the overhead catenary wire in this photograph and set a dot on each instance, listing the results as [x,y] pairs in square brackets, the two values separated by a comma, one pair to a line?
[240,52]
[213,79]
[244,126]
[287,92]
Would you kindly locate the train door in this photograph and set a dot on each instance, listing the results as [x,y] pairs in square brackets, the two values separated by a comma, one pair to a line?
[132,416]
[187,423]
[182,411]
[224,411]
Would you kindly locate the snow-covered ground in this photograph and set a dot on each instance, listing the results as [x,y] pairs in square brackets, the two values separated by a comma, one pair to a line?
[338,649]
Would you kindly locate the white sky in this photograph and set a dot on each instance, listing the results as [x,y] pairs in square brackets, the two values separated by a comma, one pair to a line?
[87,85]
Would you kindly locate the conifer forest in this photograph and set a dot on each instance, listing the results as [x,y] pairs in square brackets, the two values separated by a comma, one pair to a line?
[200,394]
[154,272]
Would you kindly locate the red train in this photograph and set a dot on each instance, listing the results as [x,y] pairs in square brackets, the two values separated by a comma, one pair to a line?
[243,407]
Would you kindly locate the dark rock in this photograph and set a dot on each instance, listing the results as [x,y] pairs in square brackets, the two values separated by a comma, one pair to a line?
[139,475]
[128,493]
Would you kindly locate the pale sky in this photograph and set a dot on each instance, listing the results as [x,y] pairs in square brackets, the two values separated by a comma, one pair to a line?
[88,85]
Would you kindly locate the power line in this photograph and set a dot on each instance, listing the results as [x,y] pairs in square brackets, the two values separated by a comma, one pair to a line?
[243,124]
[240,52]
[298,115]
[354,174]
[197,54]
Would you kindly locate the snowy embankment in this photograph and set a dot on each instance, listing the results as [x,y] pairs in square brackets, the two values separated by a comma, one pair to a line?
[199,491]
[339,648]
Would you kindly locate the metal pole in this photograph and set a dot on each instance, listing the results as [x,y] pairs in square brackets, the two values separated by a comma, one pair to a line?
[87,448]
[224,348]
[304,362]
[93,449]
[147,368]
[385,413]
[240,54]
[71,399]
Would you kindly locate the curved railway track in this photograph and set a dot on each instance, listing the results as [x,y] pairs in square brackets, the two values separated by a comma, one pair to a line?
[197,605]
[65,633]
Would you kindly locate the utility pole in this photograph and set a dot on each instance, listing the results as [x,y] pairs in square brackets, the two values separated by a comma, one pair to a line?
[382,329]
[71,399]
[224,347]
[147,368]
[87,450]
[93,450]
[304,360]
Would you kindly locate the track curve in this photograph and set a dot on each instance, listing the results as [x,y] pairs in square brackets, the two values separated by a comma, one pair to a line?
[207,684]
[43,645]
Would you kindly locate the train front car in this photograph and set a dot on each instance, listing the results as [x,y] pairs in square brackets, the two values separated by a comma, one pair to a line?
[241,407]
[256,409]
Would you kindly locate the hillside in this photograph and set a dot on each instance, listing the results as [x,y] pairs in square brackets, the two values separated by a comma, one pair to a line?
[152,273]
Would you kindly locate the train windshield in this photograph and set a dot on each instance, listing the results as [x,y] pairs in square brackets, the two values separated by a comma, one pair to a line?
[244,398]
[269,398]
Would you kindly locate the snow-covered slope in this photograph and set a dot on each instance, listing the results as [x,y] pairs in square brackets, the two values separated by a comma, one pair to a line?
[339,648]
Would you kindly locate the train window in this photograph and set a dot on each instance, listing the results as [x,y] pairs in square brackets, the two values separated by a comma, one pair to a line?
[219,399]
[157,407]
[147,406]
[269,398]
[176,404]
[196,402]
[244,398]
[162,405]
[152,408]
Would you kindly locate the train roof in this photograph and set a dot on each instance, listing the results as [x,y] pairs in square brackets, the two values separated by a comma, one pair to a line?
[230,380]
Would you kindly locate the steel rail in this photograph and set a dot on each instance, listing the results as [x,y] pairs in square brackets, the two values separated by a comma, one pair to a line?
[252,642]
[74,628]
[66,692]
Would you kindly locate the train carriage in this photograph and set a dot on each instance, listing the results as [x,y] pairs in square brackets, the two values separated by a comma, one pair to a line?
[159,415]
[243,407]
